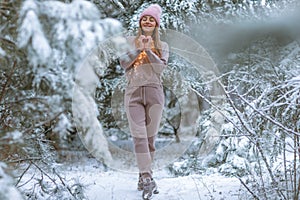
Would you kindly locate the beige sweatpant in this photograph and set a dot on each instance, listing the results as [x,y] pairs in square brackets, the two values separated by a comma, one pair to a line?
[144,106]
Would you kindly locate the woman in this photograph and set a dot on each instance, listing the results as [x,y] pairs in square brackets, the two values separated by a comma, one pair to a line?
[144,97]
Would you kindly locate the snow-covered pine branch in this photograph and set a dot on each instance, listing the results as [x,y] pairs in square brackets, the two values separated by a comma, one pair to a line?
[58,37]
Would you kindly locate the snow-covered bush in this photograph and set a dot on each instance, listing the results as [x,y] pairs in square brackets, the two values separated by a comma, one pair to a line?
[43,44]
[56,42]
[259,141]
[265,93]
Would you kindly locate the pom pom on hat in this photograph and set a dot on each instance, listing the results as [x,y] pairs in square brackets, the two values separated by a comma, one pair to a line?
[153,10]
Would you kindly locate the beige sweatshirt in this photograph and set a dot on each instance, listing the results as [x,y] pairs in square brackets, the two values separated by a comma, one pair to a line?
[144,67]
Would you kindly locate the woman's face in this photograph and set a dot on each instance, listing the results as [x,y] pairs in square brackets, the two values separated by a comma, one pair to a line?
[148,24]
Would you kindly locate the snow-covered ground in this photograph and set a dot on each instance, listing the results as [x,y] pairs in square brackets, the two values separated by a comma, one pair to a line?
[120,185]
[108,184]
[104,183]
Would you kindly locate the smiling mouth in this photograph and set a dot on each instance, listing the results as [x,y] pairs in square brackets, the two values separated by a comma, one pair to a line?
[147,25]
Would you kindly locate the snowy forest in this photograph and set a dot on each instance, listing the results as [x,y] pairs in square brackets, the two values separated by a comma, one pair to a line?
[231,120]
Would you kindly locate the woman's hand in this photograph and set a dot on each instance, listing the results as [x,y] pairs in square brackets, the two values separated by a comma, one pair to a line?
[144,42]
[148,42]
[141,44]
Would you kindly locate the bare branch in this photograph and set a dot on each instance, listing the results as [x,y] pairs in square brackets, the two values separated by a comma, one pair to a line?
[254,195]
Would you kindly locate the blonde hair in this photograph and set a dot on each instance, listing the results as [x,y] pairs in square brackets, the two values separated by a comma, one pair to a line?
[155,37]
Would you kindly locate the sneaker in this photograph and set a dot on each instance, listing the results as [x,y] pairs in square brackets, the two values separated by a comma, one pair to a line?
[150,188]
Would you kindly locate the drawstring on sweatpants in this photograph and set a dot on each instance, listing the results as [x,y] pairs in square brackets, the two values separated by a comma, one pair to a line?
[143,94]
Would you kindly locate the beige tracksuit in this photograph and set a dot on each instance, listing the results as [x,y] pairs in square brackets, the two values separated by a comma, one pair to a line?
[144,99]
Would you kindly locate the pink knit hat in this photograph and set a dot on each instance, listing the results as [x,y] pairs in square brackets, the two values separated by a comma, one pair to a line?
[153,10]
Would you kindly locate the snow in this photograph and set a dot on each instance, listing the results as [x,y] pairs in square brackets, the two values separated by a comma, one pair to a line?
[63,125]
[8,191]
[113,184]
[105,183]
[15,136]
[295,79]
[118,185]
[2,52]
[31,31]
